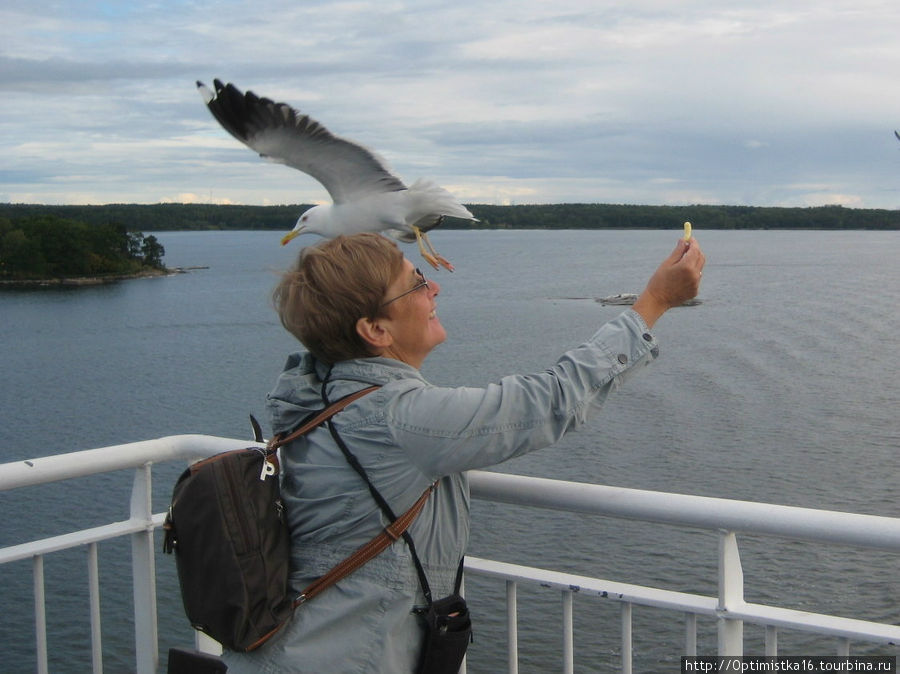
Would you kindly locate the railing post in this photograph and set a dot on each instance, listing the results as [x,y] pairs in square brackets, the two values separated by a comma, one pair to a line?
[771,641]
[626,638]
[143,567]
[94,592]
[568,629]
[512,628]
[690,634]
[731,595]
[40,614]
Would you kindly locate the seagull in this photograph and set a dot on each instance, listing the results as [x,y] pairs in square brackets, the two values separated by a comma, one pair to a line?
[367,196]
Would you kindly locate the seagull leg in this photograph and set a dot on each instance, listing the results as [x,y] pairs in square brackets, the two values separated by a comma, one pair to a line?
[431,255]
[429,258]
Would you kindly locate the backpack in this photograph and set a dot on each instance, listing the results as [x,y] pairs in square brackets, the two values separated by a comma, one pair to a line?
[227,529]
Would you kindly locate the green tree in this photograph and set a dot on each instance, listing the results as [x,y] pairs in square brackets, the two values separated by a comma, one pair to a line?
[47,246]
[152,251]
[21,256]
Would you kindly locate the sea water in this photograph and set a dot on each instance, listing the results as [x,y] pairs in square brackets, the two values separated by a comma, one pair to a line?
[780,386]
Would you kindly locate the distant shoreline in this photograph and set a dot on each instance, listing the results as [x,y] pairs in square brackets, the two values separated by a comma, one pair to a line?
[83,281]
[206,217]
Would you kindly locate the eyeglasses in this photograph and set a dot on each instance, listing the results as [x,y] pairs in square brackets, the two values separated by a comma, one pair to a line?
[421,284]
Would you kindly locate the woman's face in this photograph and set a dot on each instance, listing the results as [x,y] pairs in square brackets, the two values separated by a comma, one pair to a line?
[411,318]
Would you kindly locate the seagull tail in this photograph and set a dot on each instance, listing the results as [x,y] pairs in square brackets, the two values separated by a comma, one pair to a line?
[401,235]
[433,199]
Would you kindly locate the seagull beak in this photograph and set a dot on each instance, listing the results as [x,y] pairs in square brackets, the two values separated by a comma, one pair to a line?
[290,236]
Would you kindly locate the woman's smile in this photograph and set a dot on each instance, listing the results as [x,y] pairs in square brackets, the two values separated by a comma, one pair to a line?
[412,319]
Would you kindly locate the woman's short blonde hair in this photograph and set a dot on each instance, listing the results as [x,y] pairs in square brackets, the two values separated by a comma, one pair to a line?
[332,285]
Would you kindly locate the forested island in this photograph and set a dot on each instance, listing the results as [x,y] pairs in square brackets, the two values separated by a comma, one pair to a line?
[39,242]
[40,249]
[166,217]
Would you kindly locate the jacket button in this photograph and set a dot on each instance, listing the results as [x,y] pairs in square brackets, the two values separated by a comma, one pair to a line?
[647,336]
[622,358]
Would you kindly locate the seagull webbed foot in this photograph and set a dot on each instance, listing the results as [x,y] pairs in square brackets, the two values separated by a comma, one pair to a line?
[431,256]
[444,262]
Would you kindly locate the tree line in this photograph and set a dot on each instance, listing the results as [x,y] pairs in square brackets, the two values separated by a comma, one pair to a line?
[47,247]
[165,217]
[619,216]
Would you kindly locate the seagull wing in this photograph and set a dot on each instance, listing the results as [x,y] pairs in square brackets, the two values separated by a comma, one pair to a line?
[897,134]
[282,134]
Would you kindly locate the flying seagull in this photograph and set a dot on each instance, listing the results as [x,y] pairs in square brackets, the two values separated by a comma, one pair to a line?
[367,196]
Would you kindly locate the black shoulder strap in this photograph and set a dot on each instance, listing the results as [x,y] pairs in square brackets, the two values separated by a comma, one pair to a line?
[385,508]
[379,499]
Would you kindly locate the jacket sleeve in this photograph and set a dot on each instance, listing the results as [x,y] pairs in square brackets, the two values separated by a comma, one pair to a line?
[449,430]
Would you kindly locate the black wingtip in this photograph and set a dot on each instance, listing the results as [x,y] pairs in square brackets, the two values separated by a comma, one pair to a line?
[897,134]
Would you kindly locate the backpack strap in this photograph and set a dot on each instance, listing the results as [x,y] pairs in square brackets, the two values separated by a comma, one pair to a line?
[367,552]
[318,419]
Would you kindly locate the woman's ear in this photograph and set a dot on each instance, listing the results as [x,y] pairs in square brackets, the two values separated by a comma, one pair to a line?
[374,334]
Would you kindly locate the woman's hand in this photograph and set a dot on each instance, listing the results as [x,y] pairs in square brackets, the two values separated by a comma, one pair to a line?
[675,281]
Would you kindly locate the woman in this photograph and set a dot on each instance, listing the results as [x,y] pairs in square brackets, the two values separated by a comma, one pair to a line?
[368,316]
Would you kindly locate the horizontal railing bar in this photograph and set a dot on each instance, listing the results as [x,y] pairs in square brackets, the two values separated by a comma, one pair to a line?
[635,594]
[871,531]
[44,546]
[849,628]
[46,469]
[689,603]
[677,509]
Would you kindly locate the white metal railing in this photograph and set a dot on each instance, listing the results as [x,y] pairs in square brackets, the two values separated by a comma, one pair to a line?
[727,517]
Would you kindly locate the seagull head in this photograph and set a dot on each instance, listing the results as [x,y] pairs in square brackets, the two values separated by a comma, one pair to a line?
[312,221]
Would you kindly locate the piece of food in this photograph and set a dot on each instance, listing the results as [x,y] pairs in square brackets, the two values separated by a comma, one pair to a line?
[687,231]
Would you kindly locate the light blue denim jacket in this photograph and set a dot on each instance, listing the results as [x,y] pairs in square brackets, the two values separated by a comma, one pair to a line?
[407,434]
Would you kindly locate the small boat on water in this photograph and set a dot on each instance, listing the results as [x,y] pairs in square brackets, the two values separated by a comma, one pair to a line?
[620,299]
[627,299]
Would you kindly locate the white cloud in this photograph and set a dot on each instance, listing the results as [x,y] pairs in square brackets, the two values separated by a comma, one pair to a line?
[644,102]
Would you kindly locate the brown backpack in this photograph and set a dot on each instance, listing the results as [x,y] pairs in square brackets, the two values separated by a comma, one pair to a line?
[232,546]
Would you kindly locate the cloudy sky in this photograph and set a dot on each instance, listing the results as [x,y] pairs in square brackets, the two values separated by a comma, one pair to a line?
[758,102]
